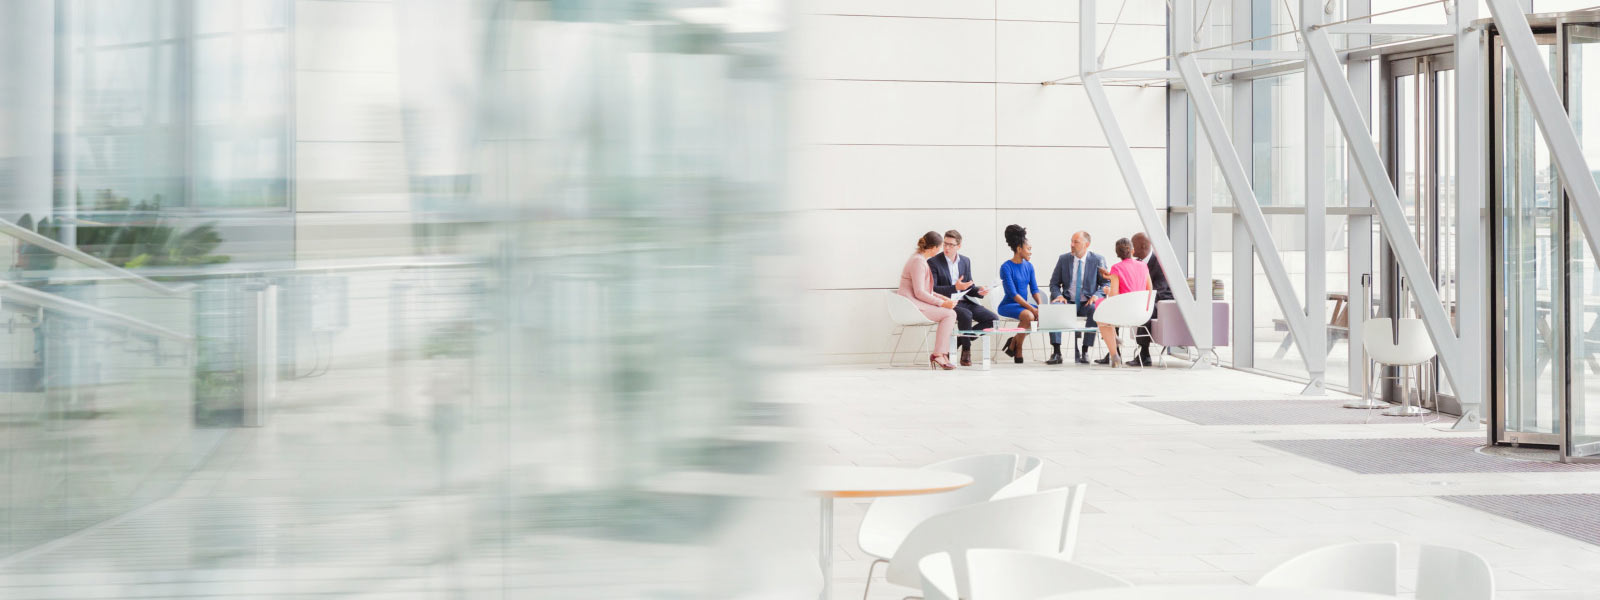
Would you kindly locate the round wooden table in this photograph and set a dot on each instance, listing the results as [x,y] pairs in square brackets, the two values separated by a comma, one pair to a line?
[870,482]
[1215,592]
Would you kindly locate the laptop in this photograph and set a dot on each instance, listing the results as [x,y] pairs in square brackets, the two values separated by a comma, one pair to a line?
[1059,316]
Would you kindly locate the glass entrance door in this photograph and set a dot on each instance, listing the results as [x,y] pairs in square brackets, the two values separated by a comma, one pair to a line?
[1421,146]
[1529,252]
[1583,283]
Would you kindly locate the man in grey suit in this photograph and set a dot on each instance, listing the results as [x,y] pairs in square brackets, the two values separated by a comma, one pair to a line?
[1078,278]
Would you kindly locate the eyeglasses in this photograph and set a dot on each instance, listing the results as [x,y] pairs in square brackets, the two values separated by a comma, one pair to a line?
[952,244]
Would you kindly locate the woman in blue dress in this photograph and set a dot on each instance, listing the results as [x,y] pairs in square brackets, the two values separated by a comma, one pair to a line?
[1022,298]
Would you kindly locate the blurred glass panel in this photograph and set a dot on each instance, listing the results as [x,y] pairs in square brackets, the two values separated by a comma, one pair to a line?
[472,298]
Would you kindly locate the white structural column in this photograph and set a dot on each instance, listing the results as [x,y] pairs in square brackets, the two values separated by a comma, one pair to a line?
[1244,264]
[1197,316]
[1315,347]
[1245,201]
[1472,240]
[1320,56]
[1358,235]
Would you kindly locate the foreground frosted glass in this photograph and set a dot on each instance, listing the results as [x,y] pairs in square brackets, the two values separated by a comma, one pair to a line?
[406,299]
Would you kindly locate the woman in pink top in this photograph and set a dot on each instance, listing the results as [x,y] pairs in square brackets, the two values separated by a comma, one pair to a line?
[1129,275]
[916,283]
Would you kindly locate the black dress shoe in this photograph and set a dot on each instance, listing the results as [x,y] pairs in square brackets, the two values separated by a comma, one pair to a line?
[1103,361]
[1134,363]
[1080,359]
[1055,359]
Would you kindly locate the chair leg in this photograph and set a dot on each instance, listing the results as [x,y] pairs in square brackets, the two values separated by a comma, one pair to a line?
[870,567]
[899,336]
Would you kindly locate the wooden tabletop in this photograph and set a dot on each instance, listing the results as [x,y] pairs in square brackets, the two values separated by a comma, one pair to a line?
[873,482]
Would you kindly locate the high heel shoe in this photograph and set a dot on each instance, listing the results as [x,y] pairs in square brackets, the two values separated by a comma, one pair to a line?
[936,364]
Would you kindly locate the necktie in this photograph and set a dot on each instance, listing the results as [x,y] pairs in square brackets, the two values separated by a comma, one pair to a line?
[1079,284]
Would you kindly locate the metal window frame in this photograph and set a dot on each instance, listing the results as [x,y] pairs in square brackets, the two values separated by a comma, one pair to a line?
[1461,354]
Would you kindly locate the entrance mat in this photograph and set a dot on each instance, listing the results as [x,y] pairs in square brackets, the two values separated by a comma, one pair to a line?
[1416,455]
[1269,412]
[1576,516]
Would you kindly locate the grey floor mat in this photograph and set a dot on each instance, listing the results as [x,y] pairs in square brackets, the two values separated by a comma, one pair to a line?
[1576,516]
[1415,455]
[1269,412]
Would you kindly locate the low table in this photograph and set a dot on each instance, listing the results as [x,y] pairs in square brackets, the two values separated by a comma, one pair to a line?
[870,482]
[985,334]
[1214,592]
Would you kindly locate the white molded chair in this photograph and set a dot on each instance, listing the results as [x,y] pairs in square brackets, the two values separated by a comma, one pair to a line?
[1357,567]
[1042,522]
[1451,574]
[889,520]
[938,577]
[1409,351]
[998,574]
[1129,312]
[1027,481]
[906,315]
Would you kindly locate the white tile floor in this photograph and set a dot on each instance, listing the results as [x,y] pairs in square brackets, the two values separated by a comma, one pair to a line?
[1174,502]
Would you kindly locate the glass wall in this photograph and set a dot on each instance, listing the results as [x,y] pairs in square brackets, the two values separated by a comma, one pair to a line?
[446,299]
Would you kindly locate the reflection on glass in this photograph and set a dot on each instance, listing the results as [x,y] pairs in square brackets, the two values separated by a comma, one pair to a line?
[1530,226]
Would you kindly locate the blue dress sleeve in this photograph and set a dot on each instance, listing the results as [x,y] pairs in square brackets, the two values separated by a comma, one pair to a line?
[1033,282]
[1009,279]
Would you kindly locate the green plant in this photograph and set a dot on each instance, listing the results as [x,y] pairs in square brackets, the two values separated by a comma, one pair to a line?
[143,238]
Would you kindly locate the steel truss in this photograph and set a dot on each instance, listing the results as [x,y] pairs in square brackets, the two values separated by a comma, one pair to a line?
[1462,354]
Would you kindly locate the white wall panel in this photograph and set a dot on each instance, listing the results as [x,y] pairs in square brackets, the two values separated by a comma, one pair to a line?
[837,47]
[350,177]
[347,107]
[969,9]
[874,112]
[919,177]
[1149,12]
[345,36]
[1060,115]
[1035,51]
[868,248]
[1072,178]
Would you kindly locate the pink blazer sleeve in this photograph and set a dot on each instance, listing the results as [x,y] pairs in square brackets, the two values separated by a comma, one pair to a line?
[921,279]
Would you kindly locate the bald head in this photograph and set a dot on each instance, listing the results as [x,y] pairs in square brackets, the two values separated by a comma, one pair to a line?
[1141,245]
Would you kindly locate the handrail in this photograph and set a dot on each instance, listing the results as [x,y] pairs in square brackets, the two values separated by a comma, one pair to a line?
[46,300]
[32,237]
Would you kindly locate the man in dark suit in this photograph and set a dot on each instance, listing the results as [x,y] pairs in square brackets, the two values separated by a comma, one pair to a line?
[1077,279]
[952,273]
[1142,250]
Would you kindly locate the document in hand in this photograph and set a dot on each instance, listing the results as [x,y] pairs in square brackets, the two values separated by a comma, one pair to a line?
[961,294]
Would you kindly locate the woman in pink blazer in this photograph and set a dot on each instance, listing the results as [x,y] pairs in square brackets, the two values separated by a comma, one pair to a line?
[916,283]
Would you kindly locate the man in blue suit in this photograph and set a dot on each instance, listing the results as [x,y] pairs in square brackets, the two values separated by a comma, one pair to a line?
[1078,278]
[952,273]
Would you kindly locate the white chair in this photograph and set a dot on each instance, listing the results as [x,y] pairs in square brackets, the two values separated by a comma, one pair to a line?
[1042,522]
[1409,351]
[889,520]
[1027,481]
[1130,311]
[1451,574]
[998,574]
[938,577]
[906,315]
[1369,567]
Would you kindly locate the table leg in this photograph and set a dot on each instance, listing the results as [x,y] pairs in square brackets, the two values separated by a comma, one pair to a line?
[826,549]
[986,351]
